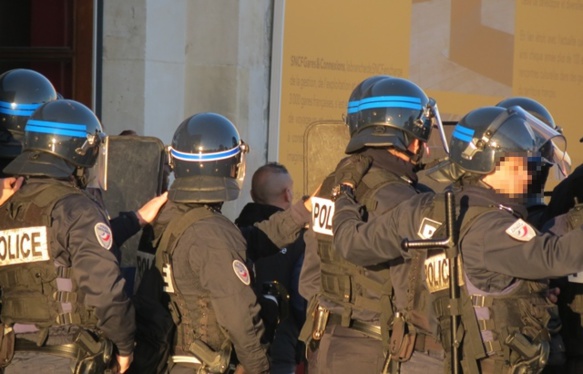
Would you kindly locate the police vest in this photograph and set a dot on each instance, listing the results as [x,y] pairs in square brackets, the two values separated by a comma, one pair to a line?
[488,319]
[571,298]
[35,290]
[341,281]
[195,324]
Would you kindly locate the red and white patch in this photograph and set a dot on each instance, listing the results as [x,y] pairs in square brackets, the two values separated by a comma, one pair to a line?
[241,272]
[521,230]
[104,236]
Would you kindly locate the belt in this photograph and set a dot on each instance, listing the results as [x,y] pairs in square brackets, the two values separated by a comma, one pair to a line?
[370,330]
[427,343]
[71,350]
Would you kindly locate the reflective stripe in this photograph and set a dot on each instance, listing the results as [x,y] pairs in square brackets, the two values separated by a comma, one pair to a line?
[407,102]
[15,109]
[204,157]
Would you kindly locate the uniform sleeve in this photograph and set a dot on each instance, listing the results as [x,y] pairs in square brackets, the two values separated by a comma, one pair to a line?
[309,284]
[283,228]
[543,256]
[224,276]
[84,235]
[124,227]
[365,243]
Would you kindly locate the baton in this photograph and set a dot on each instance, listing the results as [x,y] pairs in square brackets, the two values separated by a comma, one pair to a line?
[449,245]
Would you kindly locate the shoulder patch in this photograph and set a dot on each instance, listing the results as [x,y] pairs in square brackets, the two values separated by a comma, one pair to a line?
[241,272]
[521,231]
[427,228]
[103,235]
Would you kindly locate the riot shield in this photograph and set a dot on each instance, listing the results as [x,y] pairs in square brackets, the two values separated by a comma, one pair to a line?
[324,145]
[135,174]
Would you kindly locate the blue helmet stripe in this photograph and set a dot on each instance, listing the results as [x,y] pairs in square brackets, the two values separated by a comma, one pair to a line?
[463,133]
[407,102]
[464,130]
[53,131]
[13,109]
[204,157]
[6,104]
[56,128]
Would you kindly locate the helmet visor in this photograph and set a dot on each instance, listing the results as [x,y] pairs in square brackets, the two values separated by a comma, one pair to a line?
[438,124]
[512,133]
[97,175]
[550,144]
[242,165]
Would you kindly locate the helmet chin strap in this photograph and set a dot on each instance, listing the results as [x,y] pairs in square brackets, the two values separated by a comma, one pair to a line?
[81,177]
[415,151]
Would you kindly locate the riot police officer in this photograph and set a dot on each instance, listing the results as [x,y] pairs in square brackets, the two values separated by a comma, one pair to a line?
[503,305]
[21,92]
[537,209]
[202,255]
[390,120]
[62,291]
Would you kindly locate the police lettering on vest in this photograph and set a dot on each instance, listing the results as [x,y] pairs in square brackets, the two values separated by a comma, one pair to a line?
[322,213]
[436,266]
[23,245]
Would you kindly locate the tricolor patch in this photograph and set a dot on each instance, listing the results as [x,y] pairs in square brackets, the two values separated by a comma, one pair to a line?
[521,231]
[104,236]
[241,272]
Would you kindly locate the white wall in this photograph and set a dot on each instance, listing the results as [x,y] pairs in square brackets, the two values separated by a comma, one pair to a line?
[166,60]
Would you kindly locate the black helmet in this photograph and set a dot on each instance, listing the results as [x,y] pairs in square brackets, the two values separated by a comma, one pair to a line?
[385,111]
[485,135]
[22,91]
[531,106]
[208,159]
[539,166]
[59,137]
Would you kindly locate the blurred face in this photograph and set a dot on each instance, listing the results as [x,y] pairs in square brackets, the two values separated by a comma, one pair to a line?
[511,176]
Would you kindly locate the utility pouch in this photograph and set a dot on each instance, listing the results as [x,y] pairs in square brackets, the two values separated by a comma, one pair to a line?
[96,353]
[402,342]
[7,338]
[321,315]
[533,356]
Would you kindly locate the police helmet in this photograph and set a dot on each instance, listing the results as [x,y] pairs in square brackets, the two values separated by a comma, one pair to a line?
[539,167]
[539,111]
[207,156]
[531,106]
[59,137]
[385,111]
[22,91]
[486,135]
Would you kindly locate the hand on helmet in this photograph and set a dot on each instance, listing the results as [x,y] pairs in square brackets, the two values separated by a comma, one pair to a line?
[351,171]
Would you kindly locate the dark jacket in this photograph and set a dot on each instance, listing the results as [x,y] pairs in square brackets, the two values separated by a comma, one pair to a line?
[283,265]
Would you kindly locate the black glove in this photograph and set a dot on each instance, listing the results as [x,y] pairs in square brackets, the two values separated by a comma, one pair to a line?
[351,171]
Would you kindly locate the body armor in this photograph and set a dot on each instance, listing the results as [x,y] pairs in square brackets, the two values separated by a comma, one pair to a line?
[36,291]
[197,329]
[344,283]
[508,327]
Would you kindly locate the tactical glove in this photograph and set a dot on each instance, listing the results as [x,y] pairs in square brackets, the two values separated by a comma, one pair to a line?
[351,171]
